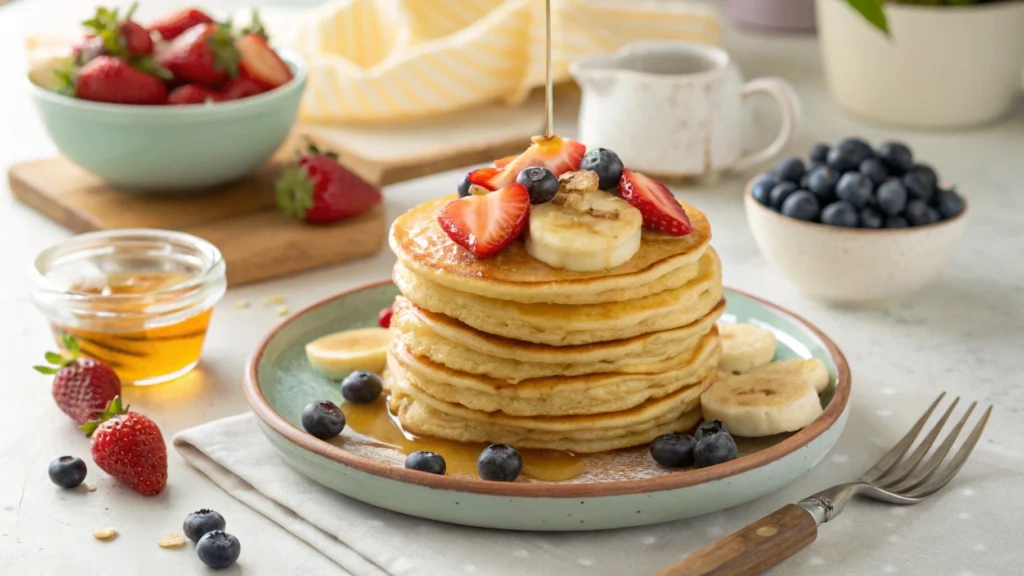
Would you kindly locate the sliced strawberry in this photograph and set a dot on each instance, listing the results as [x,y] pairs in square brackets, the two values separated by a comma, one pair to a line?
[502,162]
[191,94]
[486,224]
[172,25]
[560,155]
[260,63]
[239,88]
[660,210]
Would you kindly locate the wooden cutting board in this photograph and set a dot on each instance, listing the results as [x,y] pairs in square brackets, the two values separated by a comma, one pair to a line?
[259,243]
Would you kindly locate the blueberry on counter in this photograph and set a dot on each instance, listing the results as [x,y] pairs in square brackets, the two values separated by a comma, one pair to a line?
[802,205]
[762,188]
[714,449]
[779,193]
[67,471]
[848,154]
[896,156]
[918,185]
[919,213]
[603,161]
[949,203]
[673,450]
[870,218]
[891,197]
[499,463]
[218,549]
[840,214]
[855,188]
[202,522]
[426,462]
[464,187]
[896,222]
[323,419]
[362,387]
[874,170]
[822,182]
[790,169]
[818,153]
[710,427]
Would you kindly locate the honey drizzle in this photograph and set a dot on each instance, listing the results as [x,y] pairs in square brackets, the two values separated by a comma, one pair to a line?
[377,422]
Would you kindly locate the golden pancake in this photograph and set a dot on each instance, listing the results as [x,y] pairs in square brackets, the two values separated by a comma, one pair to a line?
[423,247]
[572,395]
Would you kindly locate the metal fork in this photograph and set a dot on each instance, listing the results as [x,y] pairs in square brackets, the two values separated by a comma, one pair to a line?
[902,476]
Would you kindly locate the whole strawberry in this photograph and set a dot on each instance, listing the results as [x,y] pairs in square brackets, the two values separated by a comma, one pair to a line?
[318,189]
[113,35]
[129,447]
[82,387]
[204,54]
[114,79]
[174,24]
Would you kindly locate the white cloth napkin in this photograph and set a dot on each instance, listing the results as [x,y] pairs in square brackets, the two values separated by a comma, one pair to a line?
[969,529]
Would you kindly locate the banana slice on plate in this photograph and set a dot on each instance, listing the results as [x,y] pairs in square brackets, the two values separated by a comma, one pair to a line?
[583,229]
[342,352]
[811,370]
[757,404]
[744,346]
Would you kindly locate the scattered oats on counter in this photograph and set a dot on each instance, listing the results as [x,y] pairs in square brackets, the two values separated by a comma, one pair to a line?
[171,541]
[105,534]
[90,487]
[282,310]
[242,304]
[275,299]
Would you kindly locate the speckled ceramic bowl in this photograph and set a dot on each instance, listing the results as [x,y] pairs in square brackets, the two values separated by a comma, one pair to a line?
[853,266]
[617,489]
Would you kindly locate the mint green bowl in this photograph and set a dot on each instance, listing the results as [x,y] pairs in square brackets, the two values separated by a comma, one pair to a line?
[169,149]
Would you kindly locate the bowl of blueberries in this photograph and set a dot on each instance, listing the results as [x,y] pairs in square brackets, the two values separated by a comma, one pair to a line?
[856,225]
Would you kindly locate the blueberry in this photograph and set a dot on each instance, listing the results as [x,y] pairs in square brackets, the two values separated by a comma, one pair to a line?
[840,214]
[919,213]
[673,450]
[540,182]
[500,463]
[896,156]
[870,218]
[714,449]
[896,222]
[802,205]
[464,187]
[426,462]
[818,154]
[891,197]
[918,185]
[218,549]
[805,181]
[361,387]
[67,471]
[855,188]
[323,419]
[607,165]
[763,187]
[779,193]
[790,169]
[949,203]
[928,173]
[202,522]
[874,170]
[710,427]
[823,182]
[848,154]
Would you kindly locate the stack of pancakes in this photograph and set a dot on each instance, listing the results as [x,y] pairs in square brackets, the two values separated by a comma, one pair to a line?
[509,350]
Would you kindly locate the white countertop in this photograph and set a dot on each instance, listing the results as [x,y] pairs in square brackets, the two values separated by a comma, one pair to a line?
[962,334]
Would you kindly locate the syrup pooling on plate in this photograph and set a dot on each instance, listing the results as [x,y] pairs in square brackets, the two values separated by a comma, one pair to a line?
[375,421]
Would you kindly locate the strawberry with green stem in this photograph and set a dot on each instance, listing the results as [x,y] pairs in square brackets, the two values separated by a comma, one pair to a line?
[129,446]
[204,54]
[318,189]
[82,387]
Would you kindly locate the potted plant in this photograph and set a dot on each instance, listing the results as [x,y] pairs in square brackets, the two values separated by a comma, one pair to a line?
[783,15]
[923,63]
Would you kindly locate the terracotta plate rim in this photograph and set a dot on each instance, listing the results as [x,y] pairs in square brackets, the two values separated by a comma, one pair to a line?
[668,481]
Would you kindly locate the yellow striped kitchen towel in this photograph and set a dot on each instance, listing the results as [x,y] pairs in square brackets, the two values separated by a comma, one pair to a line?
[372,60]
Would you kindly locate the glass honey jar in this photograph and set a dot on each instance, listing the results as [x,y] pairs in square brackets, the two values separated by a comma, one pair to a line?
[139,300]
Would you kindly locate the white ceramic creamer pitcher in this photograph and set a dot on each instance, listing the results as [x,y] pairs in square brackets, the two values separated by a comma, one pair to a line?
[676,109]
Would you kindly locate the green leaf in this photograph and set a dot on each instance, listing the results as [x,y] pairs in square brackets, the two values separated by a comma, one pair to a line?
[113,409]
[71,345]
[54,358]
[48,370]
[873,11]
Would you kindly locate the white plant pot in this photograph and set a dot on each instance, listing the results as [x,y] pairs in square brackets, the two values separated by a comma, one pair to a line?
[942,67]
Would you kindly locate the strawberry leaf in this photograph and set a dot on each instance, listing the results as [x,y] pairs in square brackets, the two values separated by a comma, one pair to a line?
[294,192]
[54,358]
[67,78]
[222,43]
[71,345]
[113,409]
[256,26]
[48,370]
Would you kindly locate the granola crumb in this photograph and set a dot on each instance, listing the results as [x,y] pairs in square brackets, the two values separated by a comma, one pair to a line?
[90,487]
[275,299]
[242,304]
[105,534]
[171,541]
[282,310]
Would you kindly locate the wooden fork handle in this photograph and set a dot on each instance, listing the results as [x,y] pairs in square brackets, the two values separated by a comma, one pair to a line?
[753,549]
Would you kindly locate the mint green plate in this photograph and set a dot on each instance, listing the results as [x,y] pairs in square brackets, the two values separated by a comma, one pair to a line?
[617,489]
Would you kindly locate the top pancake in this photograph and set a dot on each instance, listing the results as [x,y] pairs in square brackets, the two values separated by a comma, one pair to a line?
[423,247]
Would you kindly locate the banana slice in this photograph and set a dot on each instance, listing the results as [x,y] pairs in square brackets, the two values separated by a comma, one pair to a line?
[342,352]
[744,346]
[754,405]
[583,229]
[811,370]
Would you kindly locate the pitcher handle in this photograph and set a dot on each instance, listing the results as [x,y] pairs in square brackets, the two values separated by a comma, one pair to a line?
[789,104]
